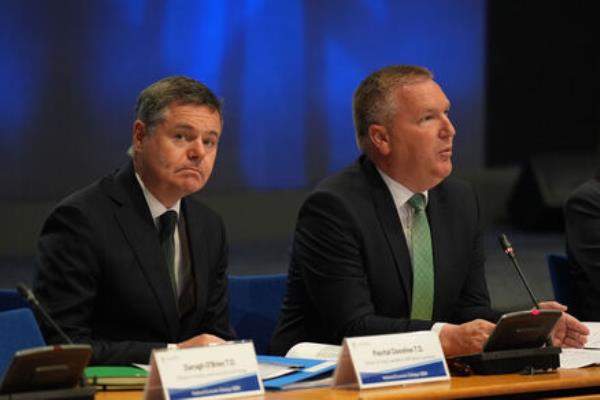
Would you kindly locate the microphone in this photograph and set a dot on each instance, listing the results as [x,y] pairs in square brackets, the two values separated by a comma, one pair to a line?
[30,298]
[516,344]
[508,250]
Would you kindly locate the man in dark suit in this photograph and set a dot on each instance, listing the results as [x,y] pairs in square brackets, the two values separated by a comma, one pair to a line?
[582,222]
[390,244]
[132,262]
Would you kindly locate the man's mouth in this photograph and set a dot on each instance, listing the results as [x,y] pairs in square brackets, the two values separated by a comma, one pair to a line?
[190,169]
[446,153]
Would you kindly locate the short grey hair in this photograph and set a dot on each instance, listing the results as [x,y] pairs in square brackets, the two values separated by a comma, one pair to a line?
[373,101]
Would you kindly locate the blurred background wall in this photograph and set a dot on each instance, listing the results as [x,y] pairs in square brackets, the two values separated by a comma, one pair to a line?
[285,70]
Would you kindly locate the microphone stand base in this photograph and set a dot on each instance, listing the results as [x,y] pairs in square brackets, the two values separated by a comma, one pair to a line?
[541,359]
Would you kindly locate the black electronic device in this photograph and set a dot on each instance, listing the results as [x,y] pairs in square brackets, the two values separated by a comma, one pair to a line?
[517,344]
[522,330]
[521,340]
[47,372]
[46,368]
[524,361]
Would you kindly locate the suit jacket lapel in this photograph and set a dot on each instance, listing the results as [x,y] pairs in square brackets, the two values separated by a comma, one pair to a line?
[196,232]
[441,242]
[390,222]
[135,220]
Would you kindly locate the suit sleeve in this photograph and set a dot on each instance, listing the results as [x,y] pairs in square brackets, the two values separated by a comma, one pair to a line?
[582,221]
[329,249]
[68,276]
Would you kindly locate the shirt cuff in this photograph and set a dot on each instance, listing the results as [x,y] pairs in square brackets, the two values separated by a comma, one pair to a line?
[437,327]
[172,346]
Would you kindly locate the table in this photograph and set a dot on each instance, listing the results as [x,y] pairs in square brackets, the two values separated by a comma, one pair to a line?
[555,384]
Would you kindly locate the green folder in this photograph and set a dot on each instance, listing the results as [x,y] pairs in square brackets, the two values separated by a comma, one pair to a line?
[116,377]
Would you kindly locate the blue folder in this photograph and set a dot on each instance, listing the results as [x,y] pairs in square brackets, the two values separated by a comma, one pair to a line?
[300,375]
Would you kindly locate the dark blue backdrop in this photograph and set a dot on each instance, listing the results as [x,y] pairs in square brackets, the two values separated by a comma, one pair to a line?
[286,70]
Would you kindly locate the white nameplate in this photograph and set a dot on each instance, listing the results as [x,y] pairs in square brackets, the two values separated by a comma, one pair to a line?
[396,359]
[207,372]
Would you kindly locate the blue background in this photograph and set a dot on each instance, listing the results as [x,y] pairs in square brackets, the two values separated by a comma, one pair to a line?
[286,70]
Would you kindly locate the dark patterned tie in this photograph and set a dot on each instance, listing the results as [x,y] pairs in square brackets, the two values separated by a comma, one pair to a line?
[167,225]
[422,260]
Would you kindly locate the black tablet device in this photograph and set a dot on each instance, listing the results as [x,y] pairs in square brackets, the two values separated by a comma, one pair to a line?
[48,367]
[522,330]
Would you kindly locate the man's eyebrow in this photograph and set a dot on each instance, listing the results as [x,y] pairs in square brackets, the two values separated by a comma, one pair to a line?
[435,108]
[189,128]
[184,126]
[428,110]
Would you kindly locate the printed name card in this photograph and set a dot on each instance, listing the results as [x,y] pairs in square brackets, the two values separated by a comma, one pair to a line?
[396,359]
[208,372]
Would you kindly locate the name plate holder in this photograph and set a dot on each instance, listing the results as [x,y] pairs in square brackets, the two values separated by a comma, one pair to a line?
[387,360]
[208,372]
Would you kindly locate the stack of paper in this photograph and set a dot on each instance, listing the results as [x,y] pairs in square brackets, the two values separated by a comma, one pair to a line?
[590,355]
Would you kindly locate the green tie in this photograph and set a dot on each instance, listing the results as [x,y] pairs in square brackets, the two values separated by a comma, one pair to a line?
[422,260]
[167,224]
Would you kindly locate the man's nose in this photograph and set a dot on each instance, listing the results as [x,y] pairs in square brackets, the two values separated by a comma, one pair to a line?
[447,128]
[196,149]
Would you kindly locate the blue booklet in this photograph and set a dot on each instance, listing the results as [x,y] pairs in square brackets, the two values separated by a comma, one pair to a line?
[302,370]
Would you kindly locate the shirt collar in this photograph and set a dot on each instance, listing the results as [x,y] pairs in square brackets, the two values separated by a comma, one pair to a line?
[400,193]
[156,207]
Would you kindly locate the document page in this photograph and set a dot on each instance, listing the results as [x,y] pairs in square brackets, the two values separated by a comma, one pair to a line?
[317,351]
[594,337]
[578,358]
[590,355]
[268,370]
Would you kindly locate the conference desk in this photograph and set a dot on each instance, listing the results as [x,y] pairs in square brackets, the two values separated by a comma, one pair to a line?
[564,382]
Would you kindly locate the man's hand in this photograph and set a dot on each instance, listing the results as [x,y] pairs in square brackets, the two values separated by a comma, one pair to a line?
[465,338]
[569,331]
[200,340]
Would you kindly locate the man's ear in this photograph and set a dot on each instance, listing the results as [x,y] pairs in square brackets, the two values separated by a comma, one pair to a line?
[139,133]
[379,137]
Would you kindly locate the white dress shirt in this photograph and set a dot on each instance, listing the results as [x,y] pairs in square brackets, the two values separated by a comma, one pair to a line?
[180,240]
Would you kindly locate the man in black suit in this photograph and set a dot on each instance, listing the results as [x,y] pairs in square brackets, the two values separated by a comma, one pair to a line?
[132,262]
[582,222]
[366,260]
